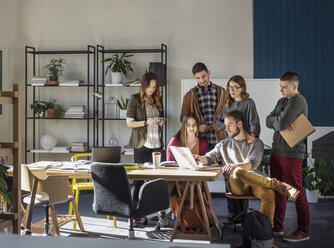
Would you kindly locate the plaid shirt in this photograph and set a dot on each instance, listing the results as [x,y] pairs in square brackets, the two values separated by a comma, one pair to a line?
[207,101]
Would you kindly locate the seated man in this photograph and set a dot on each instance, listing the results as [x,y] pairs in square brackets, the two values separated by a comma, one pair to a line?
[240,159]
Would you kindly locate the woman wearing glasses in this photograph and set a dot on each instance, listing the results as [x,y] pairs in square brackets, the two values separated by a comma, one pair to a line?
[238,99]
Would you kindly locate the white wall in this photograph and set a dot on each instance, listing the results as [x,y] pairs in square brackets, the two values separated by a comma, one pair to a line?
[216,32]
[8,45]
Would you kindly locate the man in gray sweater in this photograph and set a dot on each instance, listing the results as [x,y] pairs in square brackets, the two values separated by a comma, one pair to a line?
[286,162]
[240,160]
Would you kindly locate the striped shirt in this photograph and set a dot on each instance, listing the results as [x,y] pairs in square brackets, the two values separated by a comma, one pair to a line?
[207,101]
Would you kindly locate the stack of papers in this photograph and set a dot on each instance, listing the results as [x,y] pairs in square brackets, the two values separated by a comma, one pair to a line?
[60,149]
[74,82]
[79,146]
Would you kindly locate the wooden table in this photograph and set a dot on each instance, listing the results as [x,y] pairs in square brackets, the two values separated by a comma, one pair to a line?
[192,178]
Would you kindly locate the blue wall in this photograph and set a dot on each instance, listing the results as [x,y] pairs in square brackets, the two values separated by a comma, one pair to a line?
[298,35]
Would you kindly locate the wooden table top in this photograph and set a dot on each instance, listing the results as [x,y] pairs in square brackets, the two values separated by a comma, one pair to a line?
[169,174]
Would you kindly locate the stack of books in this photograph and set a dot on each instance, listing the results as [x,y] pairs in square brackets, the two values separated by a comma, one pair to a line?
[74,82]
[38,81]
[79,146]
[75,111]
[59,149]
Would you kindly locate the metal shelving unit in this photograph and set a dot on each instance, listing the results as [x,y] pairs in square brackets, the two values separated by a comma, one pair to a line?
[31,53]
[101,52]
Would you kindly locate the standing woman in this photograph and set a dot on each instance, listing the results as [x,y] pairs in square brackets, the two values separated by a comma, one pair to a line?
[144,117]
[238,99]
[187,136]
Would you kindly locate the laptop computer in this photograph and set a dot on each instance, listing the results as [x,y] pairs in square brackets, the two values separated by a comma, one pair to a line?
[185,159]
[110,154]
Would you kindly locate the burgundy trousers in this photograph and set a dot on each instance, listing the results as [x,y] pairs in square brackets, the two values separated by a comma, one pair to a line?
[289,170]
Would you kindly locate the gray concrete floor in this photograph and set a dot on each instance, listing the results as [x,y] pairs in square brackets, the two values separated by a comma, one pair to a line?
[321,228]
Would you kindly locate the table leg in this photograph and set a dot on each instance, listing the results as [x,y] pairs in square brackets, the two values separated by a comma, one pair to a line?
[212,209]
[180,210]
[204,213]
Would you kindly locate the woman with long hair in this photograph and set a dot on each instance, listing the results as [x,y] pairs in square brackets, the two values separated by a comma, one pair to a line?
[238,99]
[145,118]
[187,136]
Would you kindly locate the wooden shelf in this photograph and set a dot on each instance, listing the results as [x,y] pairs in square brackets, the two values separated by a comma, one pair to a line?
[13,148]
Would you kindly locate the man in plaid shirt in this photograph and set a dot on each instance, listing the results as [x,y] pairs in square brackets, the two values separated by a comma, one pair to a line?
[205,100]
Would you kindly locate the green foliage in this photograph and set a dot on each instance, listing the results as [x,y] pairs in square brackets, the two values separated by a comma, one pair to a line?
[55,67]
[123,104]
[119,63]
[4,188]
[319,176]
[38,107]
[53,104]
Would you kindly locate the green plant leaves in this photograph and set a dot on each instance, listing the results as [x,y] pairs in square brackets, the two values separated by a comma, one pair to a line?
[55,67]
[118,63]
[122,104]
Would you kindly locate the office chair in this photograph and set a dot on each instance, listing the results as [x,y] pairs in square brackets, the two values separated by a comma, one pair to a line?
[46,191]
[112,194]
[79,186]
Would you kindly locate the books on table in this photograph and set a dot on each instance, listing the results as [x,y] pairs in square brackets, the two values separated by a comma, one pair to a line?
[303,128]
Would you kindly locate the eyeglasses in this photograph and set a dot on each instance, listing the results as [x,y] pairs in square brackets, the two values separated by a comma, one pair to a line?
[233,88]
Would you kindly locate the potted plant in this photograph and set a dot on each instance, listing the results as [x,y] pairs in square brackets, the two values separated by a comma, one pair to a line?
[4,187]
[123,106]
[54,109]
[118,65]
[38,107]
[318,179]
[55,68]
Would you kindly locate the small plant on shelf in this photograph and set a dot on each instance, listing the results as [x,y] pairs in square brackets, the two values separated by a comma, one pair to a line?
[55,68]
[123,104]
[38,107]
[55,110]
[118,65]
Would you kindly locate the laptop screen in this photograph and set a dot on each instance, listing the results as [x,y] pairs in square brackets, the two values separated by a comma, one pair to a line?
[110,154]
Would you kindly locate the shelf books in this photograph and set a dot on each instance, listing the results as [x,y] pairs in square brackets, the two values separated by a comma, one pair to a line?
[75,111]
[79,146]
[59,149]
[38,81]
[74,82]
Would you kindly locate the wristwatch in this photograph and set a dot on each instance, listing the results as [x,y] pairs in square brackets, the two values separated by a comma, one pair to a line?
[145,123]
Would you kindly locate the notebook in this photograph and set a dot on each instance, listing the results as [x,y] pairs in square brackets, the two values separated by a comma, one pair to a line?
[185,159]
[303,129]
[110,154]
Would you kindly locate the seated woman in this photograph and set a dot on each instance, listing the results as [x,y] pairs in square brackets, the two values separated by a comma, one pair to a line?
[187,136]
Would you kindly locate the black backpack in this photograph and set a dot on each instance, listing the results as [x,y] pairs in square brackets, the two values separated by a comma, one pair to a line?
[257,231]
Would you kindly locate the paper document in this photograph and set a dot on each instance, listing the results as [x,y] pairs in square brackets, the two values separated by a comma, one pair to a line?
[185,159]
[303,128]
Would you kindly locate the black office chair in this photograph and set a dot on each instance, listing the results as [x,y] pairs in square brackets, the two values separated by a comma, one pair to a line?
[112,194]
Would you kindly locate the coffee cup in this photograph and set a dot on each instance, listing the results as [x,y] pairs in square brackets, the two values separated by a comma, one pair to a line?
[156,158]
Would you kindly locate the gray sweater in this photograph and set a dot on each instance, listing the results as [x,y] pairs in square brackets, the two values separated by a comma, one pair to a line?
[231,151]
[285,112]
[251,120]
